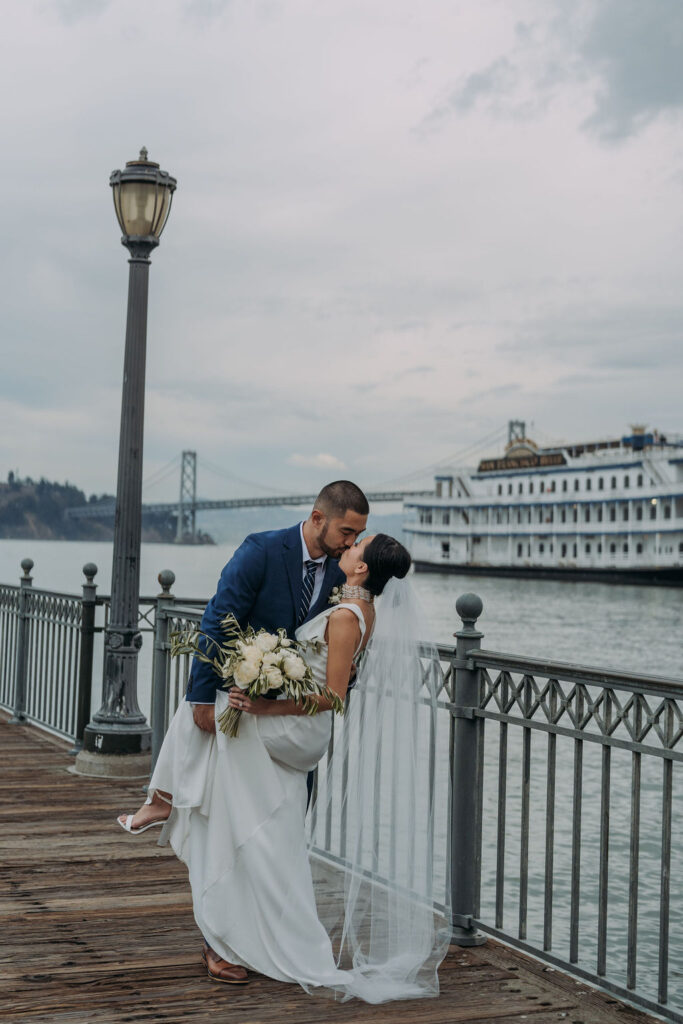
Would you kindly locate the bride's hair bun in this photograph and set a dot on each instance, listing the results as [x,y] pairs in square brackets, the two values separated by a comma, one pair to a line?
[385,557]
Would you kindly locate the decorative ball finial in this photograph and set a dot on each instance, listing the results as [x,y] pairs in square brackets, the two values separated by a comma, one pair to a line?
[27,564]
[166,578]
[90,571]
[469,607]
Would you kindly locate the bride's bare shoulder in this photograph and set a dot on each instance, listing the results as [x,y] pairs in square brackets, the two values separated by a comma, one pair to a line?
[343,613]
[343,623]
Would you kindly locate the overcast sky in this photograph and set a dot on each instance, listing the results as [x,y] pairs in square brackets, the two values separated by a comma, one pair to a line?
[397,226]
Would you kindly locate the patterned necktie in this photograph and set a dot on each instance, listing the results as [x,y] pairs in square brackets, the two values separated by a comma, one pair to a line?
[307,590]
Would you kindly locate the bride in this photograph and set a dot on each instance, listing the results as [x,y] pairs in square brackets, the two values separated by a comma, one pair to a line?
[235,808]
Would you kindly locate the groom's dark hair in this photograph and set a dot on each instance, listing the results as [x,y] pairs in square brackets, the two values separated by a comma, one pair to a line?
[337,498]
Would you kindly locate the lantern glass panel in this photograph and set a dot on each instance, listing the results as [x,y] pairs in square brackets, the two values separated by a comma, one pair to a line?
[163,209]
[138,206]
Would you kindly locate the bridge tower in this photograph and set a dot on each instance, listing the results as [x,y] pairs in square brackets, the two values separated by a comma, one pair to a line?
[516,431]
[186,529]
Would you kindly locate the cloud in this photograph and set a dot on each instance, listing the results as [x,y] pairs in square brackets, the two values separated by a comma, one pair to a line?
[332,283]
[383,383]
[607,336]
[321,461]
[624,56]
[72,11]
[499,77]
[496,80]
[492,85]
[205,12]
[520,81]
[636,50]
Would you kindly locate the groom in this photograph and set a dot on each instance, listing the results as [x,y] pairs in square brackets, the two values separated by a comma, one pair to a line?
[278,579]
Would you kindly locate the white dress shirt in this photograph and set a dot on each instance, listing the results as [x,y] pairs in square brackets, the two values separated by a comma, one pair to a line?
[319,572]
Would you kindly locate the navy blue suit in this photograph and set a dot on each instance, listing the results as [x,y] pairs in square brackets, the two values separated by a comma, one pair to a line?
[261,585]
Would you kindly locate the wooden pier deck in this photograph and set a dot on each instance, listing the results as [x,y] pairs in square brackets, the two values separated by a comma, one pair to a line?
[97,926]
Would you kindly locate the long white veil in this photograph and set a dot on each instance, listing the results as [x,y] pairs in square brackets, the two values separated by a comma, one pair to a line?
[371,822]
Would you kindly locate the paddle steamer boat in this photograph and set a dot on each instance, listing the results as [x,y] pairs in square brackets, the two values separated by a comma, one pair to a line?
[606,510]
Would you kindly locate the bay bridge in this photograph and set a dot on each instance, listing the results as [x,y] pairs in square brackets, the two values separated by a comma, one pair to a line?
[188,505]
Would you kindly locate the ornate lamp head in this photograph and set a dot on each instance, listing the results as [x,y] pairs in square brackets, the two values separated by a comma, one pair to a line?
[142,200]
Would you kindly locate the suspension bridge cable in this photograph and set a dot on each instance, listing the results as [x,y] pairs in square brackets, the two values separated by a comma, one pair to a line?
[150,484]
[447,460]
[227,475]
[545,438]
[171,474]
[158,474]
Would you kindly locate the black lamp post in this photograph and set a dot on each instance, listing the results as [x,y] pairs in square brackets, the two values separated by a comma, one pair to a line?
[142,200]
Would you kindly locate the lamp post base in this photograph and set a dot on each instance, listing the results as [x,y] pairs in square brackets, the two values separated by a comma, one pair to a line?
[111,738]
[467,937]
[112,766]
[115,752]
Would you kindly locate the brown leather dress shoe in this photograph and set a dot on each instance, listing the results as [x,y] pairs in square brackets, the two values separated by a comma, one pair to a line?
[221,970]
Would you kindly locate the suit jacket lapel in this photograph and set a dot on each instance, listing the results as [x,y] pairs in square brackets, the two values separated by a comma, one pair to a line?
[293,562]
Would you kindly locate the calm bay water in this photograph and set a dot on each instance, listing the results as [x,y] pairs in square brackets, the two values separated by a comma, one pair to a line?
[628,627]
[636,629]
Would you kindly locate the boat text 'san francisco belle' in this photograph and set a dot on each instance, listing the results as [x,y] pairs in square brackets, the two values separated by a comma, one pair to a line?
[606,510]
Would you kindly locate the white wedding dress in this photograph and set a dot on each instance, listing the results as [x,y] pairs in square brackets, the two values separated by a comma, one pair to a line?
[238,823]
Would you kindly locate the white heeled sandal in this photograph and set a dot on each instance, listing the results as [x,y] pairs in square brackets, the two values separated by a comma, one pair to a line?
[127,824]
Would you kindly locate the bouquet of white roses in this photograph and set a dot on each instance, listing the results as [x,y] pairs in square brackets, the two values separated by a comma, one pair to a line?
[257,662]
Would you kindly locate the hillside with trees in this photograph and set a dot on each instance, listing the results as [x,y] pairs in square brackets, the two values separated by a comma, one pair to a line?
[35,509]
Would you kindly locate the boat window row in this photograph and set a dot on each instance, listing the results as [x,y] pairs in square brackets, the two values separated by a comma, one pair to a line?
[610,512]
[551,486]
[571,550]
[589,548]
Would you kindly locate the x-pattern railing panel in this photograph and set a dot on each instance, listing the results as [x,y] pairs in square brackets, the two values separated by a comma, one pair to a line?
[146,613]
[9,598]
[436,679]
[594,710]
[62,611]
[600,800]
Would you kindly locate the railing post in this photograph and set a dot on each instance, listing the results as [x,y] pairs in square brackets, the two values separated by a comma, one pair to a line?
[163,607]
[23,638]
[466,739]
[86,658]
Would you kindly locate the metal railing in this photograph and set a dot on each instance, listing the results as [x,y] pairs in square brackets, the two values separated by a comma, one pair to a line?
[579,856]
[618,737]
[550,787]
[40,654]
[169,679]
[47,649]
[9,624]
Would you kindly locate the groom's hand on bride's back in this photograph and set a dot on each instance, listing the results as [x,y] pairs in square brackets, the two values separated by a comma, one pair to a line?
[204,717]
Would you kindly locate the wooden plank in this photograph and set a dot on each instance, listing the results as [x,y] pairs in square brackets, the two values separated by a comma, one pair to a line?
[97,927]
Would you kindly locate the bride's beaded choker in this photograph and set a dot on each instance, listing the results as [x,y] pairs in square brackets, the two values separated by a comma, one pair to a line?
[347,591]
